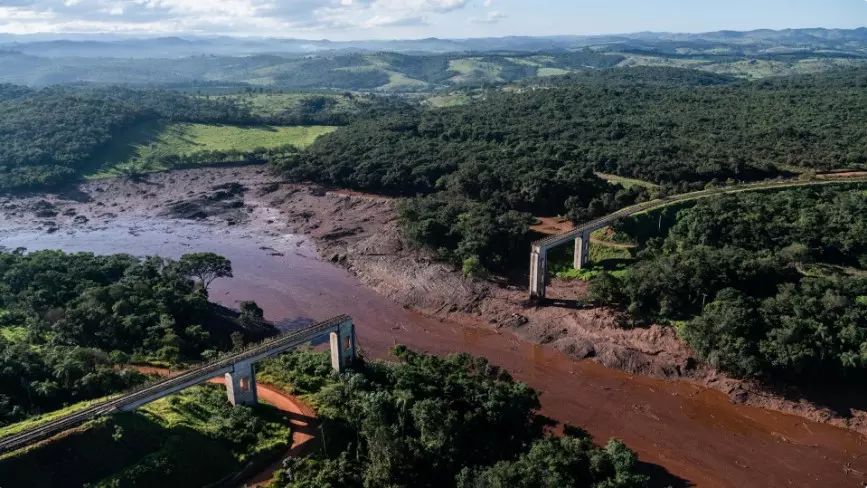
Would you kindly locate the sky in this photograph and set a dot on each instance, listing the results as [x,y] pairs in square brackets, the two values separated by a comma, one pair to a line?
[403,19]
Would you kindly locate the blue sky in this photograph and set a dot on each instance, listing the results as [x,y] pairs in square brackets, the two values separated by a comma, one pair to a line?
[387,19]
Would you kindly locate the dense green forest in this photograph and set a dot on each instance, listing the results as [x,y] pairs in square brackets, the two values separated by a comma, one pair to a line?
[423,421]
[48,136]
[671,133]
[438,422]
[54,136]
[635,76]
[534,151]
[483,169]
[67,319]
[768,284]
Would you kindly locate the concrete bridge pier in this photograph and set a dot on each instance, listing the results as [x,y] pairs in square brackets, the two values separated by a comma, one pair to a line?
[582,250]
[241,384]
[538,272]
[343,346]
[241,379]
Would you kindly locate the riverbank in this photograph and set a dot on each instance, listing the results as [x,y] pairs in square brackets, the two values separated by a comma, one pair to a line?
[697,434]
[377,253]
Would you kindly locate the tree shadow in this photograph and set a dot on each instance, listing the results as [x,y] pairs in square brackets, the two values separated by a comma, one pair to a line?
[613,264]
[288,325]
[837,396]
[293,324]
[124,146]
[75,195]
[303,423]
[661,477]
[562,303]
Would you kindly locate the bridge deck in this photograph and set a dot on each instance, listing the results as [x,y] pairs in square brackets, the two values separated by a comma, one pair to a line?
[539,250]
[556,240]
[151,392]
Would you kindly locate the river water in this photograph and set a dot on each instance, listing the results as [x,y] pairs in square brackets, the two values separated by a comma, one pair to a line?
[697,435]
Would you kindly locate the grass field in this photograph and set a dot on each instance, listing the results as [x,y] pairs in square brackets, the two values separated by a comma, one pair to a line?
[745,68]
[398,81]
[612,259]
[154,139]
[470,67]
[276,103]
[753,69]
[552,72]
[48,417]
[756,69]
[526,62]
[449,100]
[613,236]
[639,60]
[625,182]
[601,252]
[186,411]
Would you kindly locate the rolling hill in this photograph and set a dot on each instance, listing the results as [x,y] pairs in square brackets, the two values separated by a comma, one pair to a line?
[176,47]
[357,71]
[218,65]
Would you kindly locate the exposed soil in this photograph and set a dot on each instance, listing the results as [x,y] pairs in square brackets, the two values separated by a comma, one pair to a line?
[361,234]
[844,174]
[552,225]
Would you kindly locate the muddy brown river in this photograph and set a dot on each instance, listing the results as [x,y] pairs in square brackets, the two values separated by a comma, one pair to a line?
[697,435]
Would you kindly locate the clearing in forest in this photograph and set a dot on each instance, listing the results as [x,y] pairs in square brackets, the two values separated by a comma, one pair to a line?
[151,140]
[475,68]
[625,182]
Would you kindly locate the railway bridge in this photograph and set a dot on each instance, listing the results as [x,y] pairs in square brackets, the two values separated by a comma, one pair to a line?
[581,235]
[238,369]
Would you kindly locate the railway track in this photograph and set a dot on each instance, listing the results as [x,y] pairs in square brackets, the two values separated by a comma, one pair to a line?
[199,374]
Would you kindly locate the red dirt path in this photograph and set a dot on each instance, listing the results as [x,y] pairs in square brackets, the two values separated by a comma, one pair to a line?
[302,418]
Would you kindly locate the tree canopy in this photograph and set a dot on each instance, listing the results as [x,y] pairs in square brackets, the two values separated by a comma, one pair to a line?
[483,169]
[769,284]
[205,267]
[440,422]
[47,137]
[67,319]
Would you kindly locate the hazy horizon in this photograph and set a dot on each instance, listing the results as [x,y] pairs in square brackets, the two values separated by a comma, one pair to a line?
[197,36]
[365,20]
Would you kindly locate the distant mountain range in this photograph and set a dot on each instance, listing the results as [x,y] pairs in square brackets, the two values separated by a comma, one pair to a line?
[757,41]
[218,64]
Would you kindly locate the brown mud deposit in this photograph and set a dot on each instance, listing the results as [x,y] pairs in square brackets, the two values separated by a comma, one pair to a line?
[696,433]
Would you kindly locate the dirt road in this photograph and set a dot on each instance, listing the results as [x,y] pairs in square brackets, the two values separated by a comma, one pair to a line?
[302,418]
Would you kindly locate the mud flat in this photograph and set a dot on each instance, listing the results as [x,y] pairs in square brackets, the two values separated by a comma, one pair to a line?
[274,233]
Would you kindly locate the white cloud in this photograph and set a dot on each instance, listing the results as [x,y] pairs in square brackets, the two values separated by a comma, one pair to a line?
[256,17]
[393,21]
[492,17]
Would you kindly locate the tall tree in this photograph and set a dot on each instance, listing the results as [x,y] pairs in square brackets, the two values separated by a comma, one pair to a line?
[205,267]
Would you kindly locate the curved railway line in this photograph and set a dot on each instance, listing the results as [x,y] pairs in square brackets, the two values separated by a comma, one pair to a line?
[581,235]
